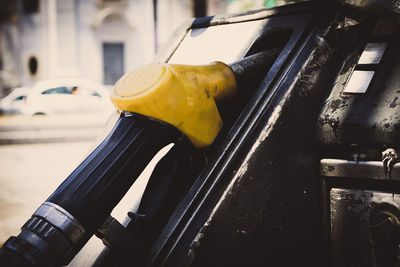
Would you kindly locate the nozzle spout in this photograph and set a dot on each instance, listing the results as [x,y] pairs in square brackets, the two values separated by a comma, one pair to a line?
[253,65]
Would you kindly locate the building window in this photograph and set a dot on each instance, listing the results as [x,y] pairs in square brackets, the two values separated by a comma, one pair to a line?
[32,65]
[30,6]
[111,3]
[113,62]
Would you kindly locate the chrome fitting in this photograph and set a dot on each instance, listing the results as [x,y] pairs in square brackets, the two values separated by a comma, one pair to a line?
[61,219]
[51,237]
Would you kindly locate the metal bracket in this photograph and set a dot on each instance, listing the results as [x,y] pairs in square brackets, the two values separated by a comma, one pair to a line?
[115,236]
[360,169]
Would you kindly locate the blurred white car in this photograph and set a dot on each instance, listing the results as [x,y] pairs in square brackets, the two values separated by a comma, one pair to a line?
[67,96]
[14,101]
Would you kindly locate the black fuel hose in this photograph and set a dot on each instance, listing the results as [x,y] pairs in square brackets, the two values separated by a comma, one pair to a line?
[253,65]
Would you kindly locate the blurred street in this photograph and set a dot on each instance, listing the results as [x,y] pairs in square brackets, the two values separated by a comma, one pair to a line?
[37,153]
[30,173]
[56,128]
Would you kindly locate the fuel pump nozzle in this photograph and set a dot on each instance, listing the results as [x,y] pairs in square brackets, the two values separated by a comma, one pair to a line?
[181,95]
[160,104]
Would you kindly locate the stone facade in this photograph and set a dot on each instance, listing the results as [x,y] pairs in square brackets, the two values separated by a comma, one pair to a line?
[77,38]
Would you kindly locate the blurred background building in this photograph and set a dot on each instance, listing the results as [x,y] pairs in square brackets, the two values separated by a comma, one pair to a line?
[99,40]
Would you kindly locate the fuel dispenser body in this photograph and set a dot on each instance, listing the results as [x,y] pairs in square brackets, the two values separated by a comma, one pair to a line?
[301,166]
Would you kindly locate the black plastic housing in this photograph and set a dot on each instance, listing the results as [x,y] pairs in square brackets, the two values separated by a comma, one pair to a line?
[97,185]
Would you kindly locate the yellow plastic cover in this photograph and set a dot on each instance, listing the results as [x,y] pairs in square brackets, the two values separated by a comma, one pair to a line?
[181,95]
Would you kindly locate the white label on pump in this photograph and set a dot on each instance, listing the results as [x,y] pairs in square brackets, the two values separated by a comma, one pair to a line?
[359,82]
[372,53]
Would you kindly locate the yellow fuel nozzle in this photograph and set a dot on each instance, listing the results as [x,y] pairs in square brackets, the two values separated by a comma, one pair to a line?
[182,95]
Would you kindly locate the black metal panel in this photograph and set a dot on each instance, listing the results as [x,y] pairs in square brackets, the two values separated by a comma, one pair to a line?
[370,119]
[353,129]
[365,228]
[259,203]
[264,206]
[388,8]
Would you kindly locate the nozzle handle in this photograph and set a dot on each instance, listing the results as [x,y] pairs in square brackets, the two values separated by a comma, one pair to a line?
[102,179]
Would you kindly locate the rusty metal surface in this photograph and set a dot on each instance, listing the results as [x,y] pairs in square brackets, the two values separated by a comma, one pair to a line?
[353,228]
[369,120]
[377,7]
[357,169]
[263,207]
